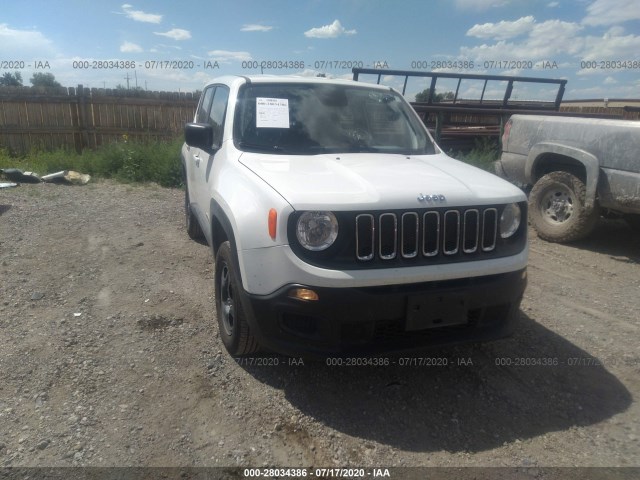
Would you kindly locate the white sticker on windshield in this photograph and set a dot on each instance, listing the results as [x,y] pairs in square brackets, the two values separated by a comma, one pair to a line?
[272,112]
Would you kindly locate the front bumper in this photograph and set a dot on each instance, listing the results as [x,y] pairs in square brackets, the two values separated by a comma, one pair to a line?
[372,320]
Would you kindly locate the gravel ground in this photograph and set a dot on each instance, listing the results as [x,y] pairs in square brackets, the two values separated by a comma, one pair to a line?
[110,357]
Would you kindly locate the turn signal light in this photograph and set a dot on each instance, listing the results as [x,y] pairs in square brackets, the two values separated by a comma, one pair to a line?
[273,222]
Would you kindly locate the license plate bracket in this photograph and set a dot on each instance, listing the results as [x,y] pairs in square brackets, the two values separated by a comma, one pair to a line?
[425,312]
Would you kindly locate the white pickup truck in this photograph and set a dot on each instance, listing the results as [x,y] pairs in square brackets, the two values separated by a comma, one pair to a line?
[579,168]
[338,226]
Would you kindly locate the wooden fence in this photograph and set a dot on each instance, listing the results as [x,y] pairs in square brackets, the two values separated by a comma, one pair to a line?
[80,118]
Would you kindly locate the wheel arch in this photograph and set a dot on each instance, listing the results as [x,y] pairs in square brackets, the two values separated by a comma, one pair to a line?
[221,229]
[545,158]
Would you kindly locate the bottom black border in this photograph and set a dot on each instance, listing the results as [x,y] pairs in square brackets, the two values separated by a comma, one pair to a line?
[395,473]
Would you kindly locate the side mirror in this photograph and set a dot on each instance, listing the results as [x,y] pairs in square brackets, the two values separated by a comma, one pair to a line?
[198,135]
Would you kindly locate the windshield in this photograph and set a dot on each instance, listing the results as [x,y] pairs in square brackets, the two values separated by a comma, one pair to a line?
[308,119]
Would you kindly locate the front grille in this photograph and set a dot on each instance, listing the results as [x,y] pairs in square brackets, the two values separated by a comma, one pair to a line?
[433,233]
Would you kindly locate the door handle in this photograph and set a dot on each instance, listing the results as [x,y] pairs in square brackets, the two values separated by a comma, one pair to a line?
[197,159]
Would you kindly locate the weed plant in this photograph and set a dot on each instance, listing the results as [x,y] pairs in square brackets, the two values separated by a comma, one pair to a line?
[125,161]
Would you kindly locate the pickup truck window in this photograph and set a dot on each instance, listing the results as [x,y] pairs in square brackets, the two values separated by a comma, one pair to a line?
[314,119]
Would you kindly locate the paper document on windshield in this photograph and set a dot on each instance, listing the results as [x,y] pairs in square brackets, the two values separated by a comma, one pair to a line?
[272,112]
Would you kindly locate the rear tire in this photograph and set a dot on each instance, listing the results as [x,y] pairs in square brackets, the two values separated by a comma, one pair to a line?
[232,323]
[557,211]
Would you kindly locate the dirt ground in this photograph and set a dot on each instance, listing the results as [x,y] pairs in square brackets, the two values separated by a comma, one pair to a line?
[109,356]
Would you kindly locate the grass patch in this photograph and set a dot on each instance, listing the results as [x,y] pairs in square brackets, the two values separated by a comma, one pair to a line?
[124,161]
[159,162]
[485,152]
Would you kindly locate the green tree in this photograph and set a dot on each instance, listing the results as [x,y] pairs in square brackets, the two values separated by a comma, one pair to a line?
[40,79]
[423,96]
[11,80]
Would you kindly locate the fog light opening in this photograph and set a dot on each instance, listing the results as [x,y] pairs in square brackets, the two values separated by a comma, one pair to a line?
[303,294]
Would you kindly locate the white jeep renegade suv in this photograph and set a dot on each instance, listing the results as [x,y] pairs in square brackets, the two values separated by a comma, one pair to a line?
[339,227]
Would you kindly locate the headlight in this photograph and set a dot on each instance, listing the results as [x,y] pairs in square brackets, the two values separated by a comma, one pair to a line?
[510,220]
[317,230]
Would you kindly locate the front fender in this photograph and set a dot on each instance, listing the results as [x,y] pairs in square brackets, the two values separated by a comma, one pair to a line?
[589,161]
[240,202]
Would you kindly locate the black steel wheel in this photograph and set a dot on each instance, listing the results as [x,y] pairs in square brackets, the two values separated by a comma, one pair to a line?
[232,323]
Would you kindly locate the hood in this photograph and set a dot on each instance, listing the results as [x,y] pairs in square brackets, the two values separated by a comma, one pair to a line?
[365,181]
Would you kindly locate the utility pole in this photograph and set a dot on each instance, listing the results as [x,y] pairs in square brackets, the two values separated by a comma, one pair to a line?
[127,79]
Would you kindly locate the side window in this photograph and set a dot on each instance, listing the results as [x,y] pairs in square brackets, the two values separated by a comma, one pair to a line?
[217,113]
[205,105]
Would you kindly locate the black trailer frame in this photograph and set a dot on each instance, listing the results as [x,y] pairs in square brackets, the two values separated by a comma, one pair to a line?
[506,101]
[438,113]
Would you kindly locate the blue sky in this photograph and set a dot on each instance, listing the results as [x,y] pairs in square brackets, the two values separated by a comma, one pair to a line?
[579,40]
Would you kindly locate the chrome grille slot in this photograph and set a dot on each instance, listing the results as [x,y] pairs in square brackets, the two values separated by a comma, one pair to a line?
[365,236]
[489,229]
[410,229]
[388,235]
[470,231]
[451,234]
[430,234]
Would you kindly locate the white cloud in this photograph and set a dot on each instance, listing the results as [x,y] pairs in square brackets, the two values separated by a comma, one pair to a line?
[554,37]
[329,31]
[129,47]
[553,4]
[503,29]
[23,42]
[609,12]
[139,15]
[254,27]
[176,34]
[479,4]
[545,41]
[611,46]
[226,56]
[307,72]
[610,81]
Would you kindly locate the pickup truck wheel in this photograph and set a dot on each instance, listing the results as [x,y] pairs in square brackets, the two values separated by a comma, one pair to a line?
[557,211]
[191,222]
[232,324]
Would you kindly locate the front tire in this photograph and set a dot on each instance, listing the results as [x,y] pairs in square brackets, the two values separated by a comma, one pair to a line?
[557,210]
[232,323]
